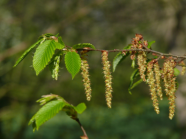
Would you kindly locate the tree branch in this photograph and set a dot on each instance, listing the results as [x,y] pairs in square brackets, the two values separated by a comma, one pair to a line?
[145,50]
[84,132]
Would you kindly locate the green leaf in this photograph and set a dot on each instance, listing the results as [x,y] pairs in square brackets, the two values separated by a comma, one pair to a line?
[120,57]
[72,110]
[48,111]
[83,45]
[45,35]
[57,35]
[136,83]
[54,67]
[176,72]
[73,63]
[150,43]
[80,108]
[58,45]
[133,76]
[61,41]
[46,98]
[133,63]
[52,105]
[26,52]
[43,55]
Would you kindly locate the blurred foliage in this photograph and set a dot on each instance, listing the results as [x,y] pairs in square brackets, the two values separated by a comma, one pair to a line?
[106,25]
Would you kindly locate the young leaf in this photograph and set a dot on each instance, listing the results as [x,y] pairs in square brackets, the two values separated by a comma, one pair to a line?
[133,63]
[26,52]
[150,43]
[48,111]
[57,35]
[43,55]
[61,41]
[133,76]
[46,98]
[83,45]
[136,83]
[54,67]
[176,72]
[45,35]
[72,110]
[59,45]
[73,63]
[120,57]
[80,108]
[52,105]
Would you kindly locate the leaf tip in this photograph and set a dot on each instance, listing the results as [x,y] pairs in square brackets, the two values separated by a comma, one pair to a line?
[130,92]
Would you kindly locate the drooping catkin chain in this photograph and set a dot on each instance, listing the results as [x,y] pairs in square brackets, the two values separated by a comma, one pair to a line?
[157,77]
[166,67]
[141,55]
[86,80]
[108,78]
[151,82]
[142,64]
[151,74]
[170,84]
[168,74]
[172,98]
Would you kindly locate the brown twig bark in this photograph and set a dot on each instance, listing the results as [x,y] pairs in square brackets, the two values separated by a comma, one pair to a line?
[84,132]
[145,50]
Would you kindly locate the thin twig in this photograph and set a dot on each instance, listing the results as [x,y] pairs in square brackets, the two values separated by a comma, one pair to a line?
[84,132]
[145,50]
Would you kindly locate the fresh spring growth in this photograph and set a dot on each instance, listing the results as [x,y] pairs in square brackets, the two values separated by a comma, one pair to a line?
[108,78]
[152,85]
[55,67]
[86,80]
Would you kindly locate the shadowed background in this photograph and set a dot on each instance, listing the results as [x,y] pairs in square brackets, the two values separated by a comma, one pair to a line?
[106,24]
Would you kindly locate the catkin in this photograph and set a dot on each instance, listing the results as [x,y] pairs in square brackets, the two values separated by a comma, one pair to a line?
[86,80]
[157,77]
[170,84]
[108,78]
[151,82]
[142,64]
[172,98]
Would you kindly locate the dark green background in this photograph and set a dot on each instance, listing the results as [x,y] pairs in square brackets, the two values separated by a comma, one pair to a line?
[107,24]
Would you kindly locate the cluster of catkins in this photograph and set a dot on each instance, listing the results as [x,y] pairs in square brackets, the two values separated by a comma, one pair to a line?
[107,76]
[151,74]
